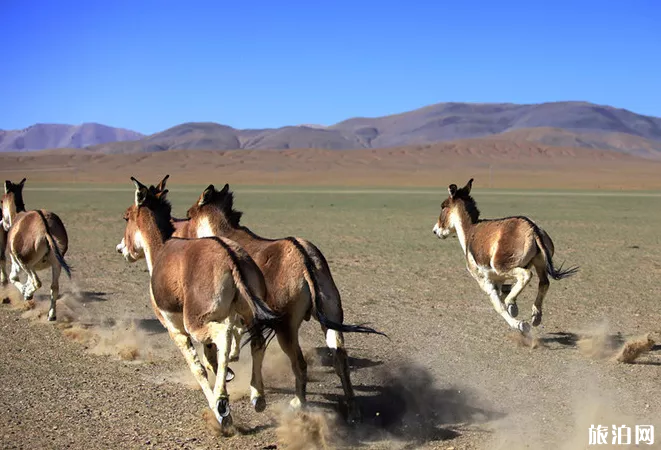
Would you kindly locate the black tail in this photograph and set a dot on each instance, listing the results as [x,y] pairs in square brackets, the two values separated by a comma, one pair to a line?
[53,245]
[556,274]
[265,320]
[318,301]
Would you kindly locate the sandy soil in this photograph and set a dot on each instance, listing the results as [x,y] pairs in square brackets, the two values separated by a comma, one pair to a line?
[495,163]
[450,377]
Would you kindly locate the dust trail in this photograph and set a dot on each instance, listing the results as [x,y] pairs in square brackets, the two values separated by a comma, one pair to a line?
[122,338]
[526,340]
[305,430]
[403,407]
[599,344]
[634,348]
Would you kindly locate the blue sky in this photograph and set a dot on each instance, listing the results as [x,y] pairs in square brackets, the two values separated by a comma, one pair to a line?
[148,65]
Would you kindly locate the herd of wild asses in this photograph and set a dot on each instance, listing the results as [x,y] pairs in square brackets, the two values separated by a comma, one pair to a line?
[213,281]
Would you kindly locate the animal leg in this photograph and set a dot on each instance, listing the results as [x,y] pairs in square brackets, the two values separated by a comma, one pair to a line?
[489,287]
[221,336]
[31,287]
[257,347]
[237,328]
[14,275]
[541,293]
[522,279]
[211,358]
[288,341]
[3,271]
[186,347]
[54,290]
[335,342]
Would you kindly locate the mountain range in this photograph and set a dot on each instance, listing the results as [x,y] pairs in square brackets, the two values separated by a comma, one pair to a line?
[567,124]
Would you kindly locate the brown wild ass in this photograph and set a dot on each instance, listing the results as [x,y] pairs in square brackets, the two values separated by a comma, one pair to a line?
[298,284]
[195,286]
[181,231]
[499,251]
[36,240]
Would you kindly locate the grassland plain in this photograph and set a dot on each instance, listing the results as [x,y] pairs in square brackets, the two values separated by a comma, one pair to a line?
[450,375]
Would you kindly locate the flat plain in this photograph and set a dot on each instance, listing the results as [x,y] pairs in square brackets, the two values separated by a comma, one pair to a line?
[451,374]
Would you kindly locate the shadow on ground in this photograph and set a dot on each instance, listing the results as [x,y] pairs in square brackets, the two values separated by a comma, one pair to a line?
[405,404]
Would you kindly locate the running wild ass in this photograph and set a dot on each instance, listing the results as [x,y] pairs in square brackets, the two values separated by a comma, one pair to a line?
[500,251]
[195,286]
[299,285]
[36,240]
[181,231]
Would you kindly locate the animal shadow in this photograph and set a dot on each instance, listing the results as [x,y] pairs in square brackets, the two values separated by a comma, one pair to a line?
[405,404]
[324,357]
[93,296]
[563,338]
[152,326]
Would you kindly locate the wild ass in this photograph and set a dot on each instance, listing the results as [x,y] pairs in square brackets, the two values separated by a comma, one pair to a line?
[499,251]
[298,284]
[195,286]
[181,231]
[36,240]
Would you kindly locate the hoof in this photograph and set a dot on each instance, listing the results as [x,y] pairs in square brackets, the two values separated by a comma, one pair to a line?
[536,319]
[513,310]
[234,358]
[226,423]
[229,376]
[222,408]
[52,318]
[259,403]
[6,301]
[524,327]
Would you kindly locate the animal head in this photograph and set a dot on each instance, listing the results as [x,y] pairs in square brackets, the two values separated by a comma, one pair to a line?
[150,208]
[458,202]
[214,207]
[12,202]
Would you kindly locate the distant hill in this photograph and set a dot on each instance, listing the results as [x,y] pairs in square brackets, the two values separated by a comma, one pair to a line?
[43,135]
[576,124]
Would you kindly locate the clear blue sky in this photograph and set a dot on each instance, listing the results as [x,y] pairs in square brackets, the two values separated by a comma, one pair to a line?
[148,65]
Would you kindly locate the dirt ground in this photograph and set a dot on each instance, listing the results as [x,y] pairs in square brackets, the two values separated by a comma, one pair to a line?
[451,375]
[495,163]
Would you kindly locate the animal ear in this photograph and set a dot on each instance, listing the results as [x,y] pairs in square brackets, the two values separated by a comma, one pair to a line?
[22,183]
[225,189]
[206,195]
[161,194]
[141,192]
[7,186]
[452,189]
[161,185]
[137,184]
[468,186]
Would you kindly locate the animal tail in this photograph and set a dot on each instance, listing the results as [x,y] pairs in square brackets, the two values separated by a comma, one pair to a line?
[318,298]
[265,321]
[53,245]
[556,274]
